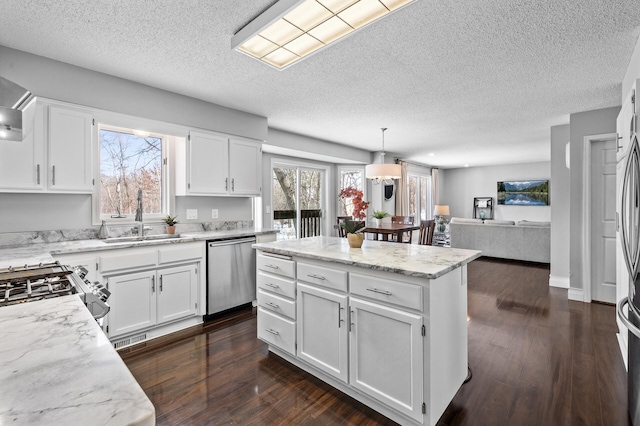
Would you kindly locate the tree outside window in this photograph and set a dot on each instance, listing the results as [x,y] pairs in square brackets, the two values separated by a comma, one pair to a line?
[129,163]
[349,178]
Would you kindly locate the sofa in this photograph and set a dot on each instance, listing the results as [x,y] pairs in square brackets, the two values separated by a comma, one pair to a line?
[524,240]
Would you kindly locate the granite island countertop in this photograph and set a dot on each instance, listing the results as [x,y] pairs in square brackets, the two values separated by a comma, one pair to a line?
[19,255]
[58,367]
[406,259]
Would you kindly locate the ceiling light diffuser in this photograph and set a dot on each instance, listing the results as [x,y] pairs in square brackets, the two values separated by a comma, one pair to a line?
[294,29]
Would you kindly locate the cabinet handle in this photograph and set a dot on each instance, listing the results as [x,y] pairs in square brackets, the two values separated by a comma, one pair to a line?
[318,277]
[226,184]
[272,266]
[38,174]
[268,330]
[153,284]
[273,305]
[160,282]
[274,286]
[375,290]
[340,320]
[233,184]
[53,177]
[351,324]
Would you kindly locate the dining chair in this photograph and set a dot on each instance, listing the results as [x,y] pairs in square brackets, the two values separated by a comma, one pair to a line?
[405,220]
[426,232]
[341,219]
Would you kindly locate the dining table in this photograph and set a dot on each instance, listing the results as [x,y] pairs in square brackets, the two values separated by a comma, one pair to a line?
[386,229]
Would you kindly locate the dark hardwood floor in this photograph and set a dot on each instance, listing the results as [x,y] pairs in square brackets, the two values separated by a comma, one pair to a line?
[537,359]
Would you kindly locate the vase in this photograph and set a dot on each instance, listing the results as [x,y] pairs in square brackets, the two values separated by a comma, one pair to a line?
[355,240]
[378,222]
[171,229]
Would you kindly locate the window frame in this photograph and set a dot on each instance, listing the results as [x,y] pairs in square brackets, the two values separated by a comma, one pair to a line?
[428,195]
[167,132]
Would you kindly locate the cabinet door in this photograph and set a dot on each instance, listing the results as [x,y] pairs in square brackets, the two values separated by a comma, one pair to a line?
[245,167]
[132,301]
[386,356]
[70,150]
[22,162]
[177,293]
[207,164]
[323,330]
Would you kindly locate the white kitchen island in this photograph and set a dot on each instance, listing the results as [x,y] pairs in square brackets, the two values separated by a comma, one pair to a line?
[385,324]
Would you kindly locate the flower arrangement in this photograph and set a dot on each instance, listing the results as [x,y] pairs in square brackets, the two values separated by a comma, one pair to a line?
[359,205]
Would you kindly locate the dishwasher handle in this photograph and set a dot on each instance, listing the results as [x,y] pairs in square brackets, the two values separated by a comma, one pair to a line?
[232,241]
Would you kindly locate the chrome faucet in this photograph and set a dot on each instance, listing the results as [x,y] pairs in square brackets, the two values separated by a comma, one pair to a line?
[140,226]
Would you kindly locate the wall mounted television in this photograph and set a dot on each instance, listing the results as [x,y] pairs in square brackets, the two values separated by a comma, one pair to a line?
[523,193]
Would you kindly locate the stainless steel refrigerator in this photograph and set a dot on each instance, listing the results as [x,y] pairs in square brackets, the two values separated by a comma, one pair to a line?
[630,224]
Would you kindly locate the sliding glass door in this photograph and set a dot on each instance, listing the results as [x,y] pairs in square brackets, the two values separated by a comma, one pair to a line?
[298,200]
[420,199]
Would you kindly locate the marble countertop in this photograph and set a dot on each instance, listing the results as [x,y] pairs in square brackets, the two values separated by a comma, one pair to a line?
[58,367]
[407,259]
[43,252]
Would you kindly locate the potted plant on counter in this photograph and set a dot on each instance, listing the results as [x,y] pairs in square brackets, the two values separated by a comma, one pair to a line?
[171,223]
[355,234]
[378,215]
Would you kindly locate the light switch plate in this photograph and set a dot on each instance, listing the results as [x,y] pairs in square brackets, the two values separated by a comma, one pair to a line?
[214,213]
[192,213]
[268,209]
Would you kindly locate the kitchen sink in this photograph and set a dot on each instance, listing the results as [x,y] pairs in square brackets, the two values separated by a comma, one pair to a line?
[136,239]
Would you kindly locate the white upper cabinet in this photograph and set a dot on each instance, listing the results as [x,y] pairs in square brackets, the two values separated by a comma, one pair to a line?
[626,123]
[215,164]
[55,155]
[245,167]
[22,162]
[70,150]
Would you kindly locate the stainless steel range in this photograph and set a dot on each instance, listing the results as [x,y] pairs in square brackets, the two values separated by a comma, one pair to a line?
[31,283]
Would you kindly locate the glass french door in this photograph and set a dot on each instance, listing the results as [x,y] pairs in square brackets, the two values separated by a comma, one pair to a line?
[298,201]
[420,202]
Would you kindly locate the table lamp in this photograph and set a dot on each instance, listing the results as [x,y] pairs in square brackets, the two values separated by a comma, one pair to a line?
[440,211]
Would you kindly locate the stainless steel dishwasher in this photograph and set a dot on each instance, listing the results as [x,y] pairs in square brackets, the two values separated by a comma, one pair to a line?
[231,274]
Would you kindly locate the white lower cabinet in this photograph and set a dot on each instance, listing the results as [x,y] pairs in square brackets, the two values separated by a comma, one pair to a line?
[323,330]
[386,355]
[142,300]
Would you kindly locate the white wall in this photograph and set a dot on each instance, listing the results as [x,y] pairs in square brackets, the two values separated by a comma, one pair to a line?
[463,184]
[560,208]
[632,73]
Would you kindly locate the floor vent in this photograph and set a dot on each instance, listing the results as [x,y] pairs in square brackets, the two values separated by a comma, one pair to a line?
[129,341]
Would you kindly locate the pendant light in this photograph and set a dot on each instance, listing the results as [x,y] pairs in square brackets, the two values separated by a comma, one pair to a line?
[382,171]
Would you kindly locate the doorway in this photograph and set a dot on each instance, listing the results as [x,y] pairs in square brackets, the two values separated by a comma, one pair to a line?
[601,260]
[298,200]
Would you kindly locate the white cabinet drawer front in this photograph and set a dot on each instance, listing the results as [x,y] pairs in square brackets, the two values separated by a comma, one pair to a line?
[318,275]
[277,331]
[278,305]
[277,285]
[128,261]
[395,292]
[275,265]
[179,254]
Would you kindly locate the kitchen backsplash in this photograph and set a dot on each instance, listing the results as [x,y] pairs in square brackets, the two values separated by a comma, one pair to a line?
[35,237]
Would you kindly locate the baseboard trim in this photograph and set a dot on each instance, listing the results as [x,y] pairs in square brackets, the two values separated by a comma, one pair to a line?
[560,282]
[623,349]
[576,294]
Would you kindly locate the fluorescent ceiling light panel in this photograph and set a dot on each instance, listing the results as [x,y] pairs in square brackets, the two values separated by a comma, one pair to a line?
[294,29]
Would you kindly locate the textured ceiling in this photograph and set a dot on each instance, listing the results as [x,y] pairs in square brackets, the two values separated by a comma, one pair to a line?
[476,82]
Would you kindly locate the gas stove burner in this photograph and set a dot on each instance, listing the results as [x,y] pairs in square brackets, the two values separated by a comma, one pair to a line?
[30,283]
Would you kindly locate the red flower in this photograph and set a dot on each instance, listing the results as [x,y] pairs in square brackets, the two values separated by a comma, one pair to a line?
[359,206]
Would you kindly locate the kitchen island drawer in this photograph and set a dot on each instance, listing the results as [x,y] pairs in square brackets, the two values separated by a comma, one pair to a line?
[276,265]
[277,285]
[326,277]
[276,304]
[277,331]
[385,290]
